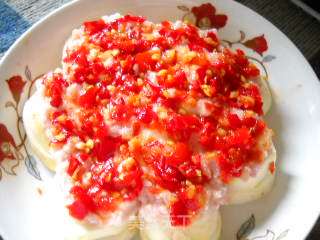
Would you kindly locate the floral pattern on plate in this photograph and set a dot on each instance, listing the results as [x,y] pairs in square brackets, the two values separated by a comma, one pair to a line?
[11,152]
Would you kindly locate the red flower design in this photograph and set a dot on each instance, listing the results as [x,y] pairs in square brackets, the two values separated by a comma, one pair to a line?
[16,85]
[258,44]
[206,16]
[6,140]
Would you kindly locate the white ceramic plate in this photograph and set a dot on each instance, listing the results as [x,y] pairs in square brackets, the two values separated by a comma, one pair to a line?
[288,212]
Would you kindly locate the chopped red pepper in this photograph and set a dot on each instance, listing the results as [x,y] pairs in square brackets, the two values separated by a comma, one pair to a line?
[128,75]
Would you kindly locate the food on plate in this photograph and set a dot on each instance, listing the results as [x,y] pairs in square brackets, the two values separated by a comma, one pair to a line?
[34,117]
[255,181]
[156,224]
[265,94]
[152,126]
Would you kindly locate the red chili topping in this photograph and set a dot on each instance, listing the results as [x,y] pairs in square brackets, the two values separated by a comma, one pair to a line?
[272,167]
[169,78]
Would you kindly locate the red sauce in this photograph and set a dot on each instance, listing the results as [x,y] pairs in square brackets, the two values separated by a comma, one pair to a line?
[272,167]
[107,170]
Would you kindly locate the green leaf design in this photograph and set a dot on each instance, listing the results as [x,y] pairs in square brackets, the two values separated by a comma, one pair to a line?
[268,58]
[283,235]
[246,228]
[32,168]
[27,73]
[183,8]
[242,36]
[9,104]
